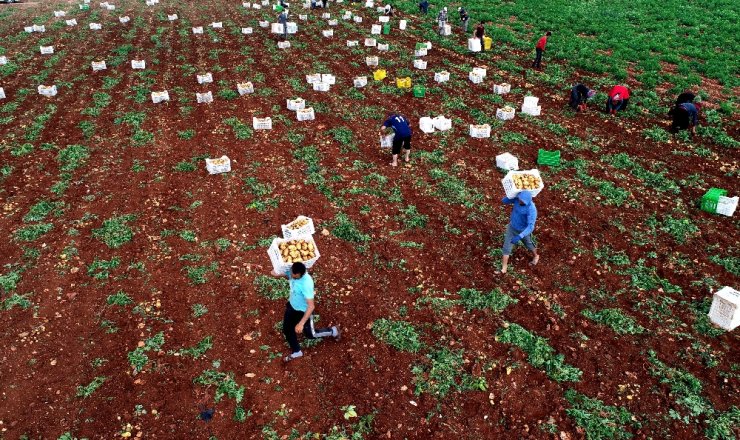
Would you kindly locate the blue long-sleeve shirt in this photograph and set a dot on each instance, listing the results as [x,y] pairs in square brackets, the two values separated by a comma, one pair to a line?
[523,217]
[692,111]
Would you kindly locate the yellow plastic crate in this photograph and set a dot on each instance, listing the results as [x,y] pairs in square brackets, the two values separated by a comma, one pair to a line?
[403,83]
[379,75]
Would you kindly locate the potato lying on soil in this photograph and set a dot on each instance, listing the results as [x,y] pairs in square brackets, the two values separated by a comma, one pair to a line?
[297,251]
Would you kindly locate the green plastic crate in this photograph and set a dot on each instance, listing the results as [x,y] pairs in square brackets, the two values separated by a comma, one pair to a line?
[711,198]
[551,158]
[419,91]
[386,29]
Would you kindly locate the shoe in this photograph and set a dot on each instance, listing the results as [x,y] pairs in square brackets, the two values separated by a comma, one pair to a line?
[338,336]
[293,356]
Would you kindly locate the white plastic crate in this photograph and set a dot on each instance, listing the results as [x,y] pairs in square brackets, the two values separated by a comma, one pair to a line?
[475,78]
[246,5]
[276,28]
[447,30]
[360,81]
[264,24]
[158,97]
[313,78]
[474,45]
[505,113]
[402,25]
[347,16]
[262,123]
[124,19]
[328,78]
[58,14]
[352,43]
[276,257]
[420,64]
[383,47]
[384,19]
[501,89]
[138,64]
[327,33]
[295,104]
[442,76]
[292,27]
[422,52]
[111,7]
[369,4]
[333,22]
[727,205]
[2,93]
[480,71]
[244,88]
[376,29]
[198,30]
[530,101]
[47,90]
[371,61]
[426,124]
[171,17]
[218,166]
[46,50]
[532,111]
[98,65]
[480,131]
[3,60]
[429,45]
[370,42]
[283,44]
[321,86]
[725,309]
[507,161]
[28,29]
[256,6]
[511,189]
[387,140]
[305,114]
[204,98]
[204,79]
[357,19]
[380,9]
[303,17]
[441,123]
[151,2]
[217,25]
[96,26]
[247,30]
[39,28]
[326,15]
[302,225]
[265,2]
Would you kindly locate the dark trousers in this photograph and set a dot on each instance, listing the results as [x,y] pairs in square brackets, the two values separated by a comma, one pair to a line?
[537,58]
[616,106]
[291,318]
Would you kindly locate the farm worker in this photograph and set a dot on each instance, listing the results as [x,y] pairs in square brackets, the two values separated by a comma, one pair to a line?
[480,32]
[579,94]
[283,19]
[619,97]
[401,127]
[685,116]
[464,17]
[424,6]
[442,20]
[539,48]
[299,309]
[687,96]
[388,10]
[523,218]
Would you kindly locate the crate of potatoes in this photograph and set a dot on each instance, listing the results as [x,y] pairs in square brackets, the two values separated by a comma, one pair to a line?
[302,225]
[300,249]
[517,181]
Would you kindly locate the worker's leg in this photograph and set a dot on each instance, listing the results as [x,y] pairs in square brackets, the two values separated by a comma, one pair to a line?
[396,150]
[529,244]
[407,148]
[507,248]
[291,318]
[311,332]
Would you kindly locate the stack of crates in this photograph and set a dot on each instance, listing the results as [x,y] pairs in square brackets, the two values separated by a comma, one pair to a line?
[550,158]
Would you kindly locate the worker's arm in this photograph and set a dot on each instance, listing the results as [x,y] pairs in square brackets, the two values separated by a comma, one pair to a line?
[306,315]
[531,219]
[508,201]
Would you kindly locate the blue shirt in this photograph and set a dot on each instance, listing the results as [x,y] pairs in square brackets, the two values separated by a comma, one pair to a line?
[691,110]
[523,217]
[399,124]
[300,290]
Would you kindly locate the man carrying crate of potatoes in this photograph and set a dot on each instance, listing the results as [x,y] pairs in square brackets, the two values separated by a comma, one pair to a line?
[520,228]
[299,309]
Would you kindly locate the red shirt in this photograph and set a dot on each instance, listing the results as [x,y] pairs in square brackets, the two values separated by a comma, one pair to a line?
[623,92]
[541,43]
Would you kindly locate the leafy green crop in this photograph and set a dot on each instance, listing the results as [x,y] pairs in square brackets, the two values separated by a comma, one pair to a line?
[115,231]
[398,334]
